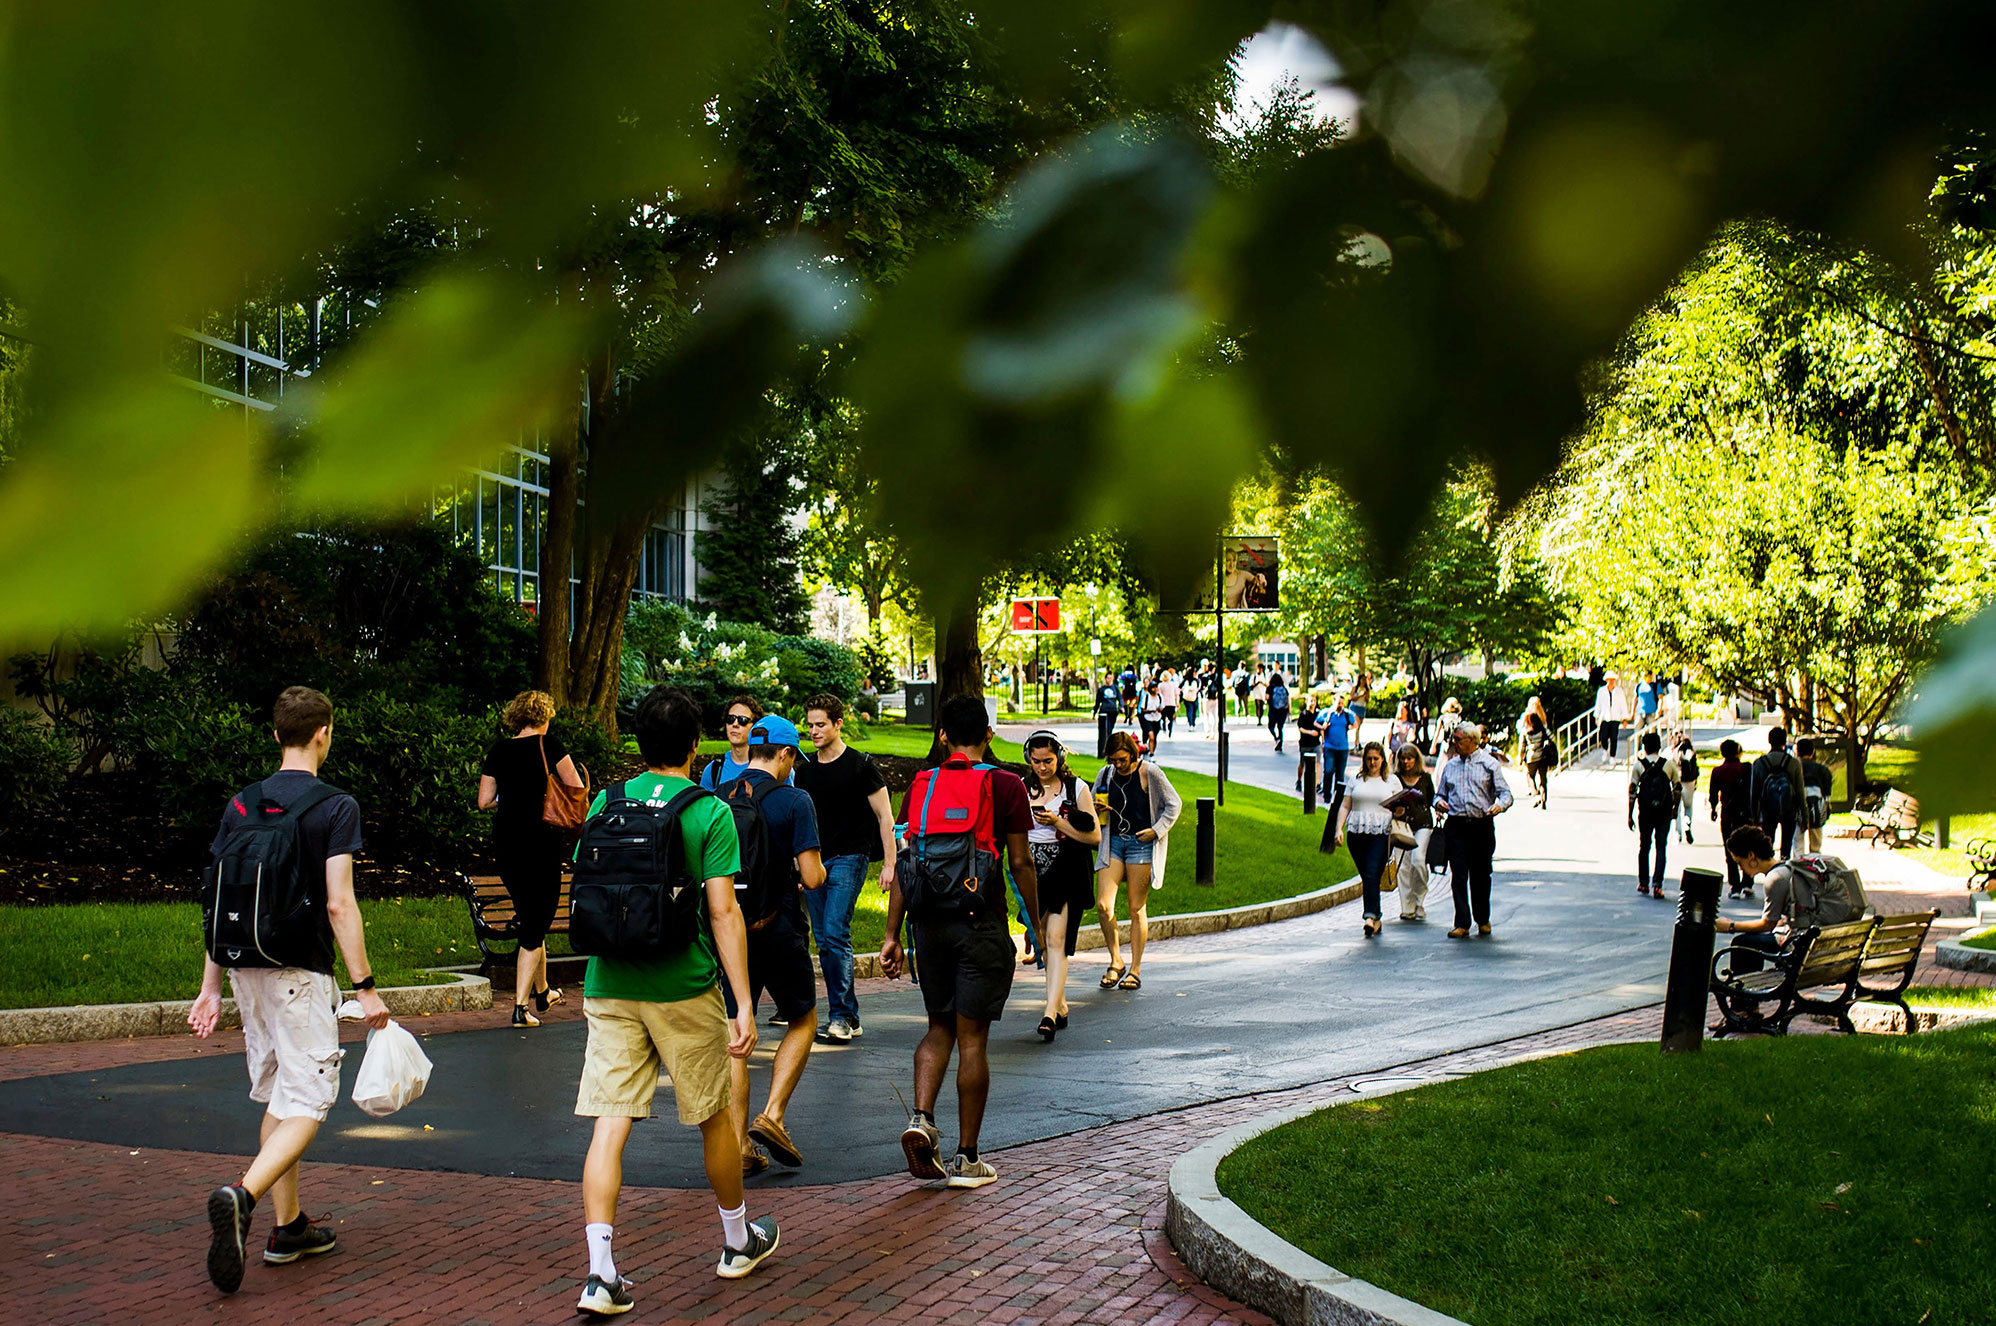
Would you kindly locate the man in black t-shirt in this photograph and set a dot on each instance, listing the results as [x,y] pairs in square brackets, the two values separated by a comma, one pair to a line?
[855,827]
[289,1014]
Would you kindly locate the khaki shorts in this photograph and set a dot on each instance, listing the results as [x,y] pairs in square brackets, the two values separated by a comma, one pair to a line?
[291,1031]
[630,1039]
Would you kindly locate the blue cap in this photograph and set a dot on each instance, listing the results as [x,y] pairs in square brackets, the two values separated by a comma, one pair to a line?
[775,730]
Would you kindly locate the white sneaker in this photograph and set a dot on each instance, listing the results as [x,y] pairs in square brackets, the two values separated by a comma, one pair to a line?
[967,1173]
[606,1300]
[762,1240]
[920,1143]
[839,1032]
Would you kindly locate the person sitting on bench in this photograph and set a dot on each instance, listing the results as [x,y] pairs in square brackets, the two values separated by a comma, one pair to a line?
[1787,908]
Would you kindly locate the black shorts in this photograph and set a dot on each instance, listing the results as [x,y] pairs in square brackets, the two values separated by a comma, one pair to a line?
[779,961]
[965,966]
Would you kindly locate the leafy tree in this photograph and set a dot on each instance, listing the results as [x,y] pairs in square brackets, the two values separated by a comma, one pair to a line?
[749,550]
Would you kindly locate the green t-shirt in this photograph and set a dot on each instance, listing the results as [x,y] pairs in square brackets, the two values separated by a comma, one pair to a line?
[712,850]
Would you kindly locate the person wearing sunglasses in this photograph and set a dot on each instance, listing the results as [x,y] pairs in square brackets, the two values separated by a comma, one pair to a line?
[742,715]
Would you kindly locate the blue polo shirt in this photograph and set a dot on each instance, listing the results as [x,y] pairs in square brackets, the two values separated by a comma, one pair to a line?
[1337,725]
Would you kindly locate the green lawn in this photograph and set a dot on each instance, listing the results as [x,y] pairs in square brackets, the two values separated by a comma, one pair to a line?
[1950,997]
[104,953]
[1833,1180]
[125,952]
[1985,940]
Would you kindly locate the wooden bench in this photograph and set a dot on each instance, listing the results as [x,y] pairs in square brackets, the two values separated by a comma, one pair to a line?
[1896,821]
[1889,958]
[492,917]
[1823,959]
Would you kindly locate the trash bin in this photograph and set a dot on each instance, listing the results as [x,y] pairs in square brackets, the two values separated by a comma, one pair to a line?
[921,707]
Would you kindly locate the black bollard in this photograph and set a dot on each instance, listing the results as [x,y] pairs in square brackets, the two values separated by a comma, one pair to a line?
[1685,994]
[1309,783]
[1104,725]
[1202,872]
[1223,766]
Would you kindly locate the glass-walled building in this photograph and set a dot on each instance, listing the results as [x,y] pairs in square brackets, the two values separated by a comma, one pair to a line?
[247,361]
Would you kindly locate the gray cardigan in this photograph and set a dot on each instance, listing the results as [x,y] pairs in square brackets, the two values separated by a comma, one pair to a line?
[1164,807]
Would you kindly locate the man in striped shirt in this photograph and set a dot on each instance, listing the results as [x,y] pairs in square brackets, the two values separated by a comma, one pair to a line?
[1472,789]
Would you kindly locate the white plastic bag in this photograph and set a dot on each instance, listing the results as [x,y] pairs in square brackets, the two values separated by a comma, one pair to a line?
[394,1072]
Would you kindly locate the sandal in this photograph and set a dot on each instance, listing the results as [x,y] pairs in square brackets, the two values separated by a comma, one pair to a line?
[1131,981]
[1112,976]
[1047,1029]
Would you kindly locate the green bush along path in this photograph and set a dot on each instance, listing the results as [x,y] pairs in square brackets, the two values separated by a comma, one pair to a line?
[128,952]
[1816,1179]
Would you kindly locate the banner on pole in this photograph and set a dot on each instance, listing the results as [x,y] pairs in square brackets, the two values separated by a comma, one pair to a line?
[1039,616]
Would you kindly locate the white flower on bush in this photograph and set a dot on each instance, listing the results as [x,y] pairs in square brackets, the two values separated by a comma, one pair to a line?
[685,643]
[713,620]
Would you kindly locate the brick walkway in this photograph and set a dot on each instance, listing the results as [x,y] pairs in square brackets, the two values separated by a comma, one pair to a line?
[1071,1233]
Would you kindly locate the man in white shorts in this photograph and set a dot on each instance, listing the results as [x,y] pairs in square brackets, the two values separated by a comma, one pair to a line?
[289,1012]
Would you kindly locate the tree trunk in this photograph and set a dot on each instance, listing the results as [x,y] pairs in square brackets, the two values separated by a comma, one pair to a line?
[960,669]
[1937,388]
[551,614]
[595,661]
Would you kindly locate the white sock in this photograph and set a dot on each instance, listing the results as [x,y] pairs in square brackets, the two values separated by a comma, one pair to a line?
[601,1264]
[734,1224]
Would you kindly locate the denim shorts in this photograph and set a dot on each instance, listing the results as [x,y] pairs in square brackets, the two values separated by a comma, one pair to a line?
[1129,849]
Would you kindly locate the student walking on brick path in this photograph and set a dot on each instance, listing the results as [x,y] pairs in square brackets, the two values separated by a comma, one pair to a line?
[1686,756]
[1611,710]
[743,714]
[1414,824]
[1278,707]
[966,820]
[660,1006]
[1365,825]
[1774,792]
[512,784]
[855,827]
[1818,786]
[1727,805]
[1653,800]
[284,851]
[1064,830]
[781,862]
[1472,791]
[1537,749]
[1136,806]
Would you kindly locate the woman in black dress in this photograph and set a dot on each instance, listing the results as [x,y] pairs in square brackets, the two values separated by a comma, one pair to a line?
[514,779]
[1062,840]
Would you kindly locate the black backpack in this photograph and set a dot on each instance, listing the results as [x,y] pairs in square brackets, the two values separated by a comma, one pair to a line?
[634,896]
[764,882]
[1776,791]
[1655,797]
[258,905]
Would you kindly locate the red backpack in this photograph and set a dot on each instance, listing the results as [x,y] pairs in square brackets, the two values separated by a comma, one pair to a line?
[952,867]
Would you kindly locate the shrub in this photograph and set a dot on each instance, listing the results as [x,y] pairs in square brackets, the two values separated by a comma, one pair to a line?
[352,609]
[589,745]
[33,761]
[717,660]
[413,766]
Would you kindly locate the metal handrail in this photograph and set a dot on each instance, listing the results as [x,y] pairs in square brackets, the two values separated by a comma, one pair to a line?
[1575,737]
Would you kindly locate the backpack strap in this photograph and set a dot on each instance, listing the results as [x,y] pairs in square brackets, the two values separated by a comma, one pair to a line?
[308,799]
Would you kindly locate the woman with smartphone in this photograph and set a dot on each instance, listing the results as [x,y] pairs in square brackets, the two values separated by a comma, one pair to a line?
[1062,833]
[1137,806]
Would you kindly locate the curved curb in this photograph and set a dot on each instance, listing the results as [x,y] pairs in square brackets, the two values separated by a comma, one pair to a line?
[867,965]
[1248,1262]
[1953,953]
[168,1017]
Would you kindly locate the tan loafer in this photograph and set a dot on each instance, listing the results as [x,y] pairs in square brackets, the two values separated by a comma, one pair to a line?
[777,1138]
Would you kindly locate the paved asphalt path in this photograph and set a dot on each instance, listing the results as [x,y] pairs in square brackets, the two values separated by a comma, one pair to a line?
[1220,1015]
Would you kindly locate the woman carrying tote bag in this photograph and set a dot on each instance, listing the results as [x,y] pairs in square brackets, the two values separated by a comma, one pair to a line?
[528,780]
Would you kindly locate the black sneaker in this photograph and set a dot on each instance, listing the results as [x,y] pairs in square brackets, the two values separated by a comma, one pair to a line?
[307,1240]
[229,1211]
[762,1240]
[603,1298]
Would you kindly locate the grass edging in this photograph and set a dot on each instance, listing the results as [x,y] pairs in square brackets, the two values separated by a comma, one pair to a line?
[1244,1259]
[1178,925]
[105,1022]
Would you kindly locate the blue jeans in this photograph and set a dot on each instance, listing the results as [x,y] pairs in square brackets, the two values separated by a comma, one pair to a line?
[830,907]
[1369,852]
